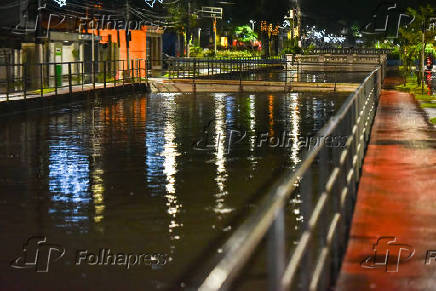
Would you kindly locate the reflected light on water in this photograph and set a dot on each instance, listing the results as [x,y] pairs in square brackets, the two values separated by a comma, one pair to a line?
[271,115]
[97,171]
[68,176]
[220,153]
[169,155]
[295,128]
[252,109]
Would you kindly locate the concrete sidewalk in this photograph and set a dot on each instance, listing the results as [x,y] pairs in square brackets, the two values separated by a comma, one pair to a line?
[396,198]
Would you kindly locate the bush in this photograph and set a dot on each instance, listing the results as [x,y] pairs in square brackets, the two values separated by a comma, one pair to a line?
[197,52]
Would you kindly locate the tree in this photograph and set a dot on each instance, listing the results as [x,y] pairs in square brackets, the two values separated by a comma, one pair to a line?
[184,20]
[245,35]
[415,37]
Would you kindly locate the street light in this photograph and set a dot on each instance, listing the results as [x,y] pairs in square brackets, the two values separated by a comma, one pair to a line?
[199,36]
[252,24]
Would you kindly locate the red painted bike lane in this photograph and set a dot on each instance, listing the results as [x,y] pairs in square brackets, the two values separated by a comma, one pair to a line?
[396,203]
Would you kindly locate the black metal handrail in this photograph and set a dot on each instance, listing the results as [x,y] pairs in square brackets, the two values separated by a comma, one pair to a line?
[45,79]
[326,181]
[346,51]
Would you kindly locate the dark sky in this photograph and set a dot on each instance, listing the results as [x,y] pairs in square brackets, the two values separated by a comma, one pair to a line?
[330,14]
[333,13]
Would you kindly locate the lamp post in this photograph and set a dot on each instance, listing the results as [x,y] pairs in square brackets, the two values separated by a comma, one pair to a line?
[199,36]
[252,24]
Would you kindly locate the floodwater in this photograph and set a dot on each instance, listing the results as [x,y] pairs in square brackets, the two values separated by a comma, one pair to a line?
[321,76]
[156,179]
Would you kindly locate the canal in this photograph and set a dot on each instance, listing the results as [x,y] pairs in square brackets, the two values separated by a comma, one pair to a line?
[165,175]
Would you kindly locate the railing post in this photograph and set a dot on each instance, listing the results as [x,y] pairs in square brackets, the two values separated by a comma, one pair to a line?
[105,72]
[132,79]
[276,252]
[7,81]
[25,81]
[55,79]
[70,81]
[93,73]
[41,83]
[83,73]
[123,71]
[240,75]
[139,71]
[193,77]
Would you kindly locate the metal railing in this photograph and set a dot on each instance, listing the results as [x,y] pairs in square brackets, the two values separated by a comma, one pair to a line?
[197,68]
[326,182]
[46,79]
[283,71]
[347,51]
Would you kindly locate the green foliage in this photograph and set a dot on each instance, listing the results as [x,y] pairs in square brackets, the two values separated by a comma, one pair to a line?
[44,91]
[309,50]
[291,47]
[237,54]
[416,36]
[355,30]
[245,34]
[198,52]
[433,120]
[428,105]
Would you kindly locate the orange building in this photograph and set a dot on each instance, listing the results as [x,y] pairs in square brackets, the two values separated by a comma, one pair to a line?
[144,44]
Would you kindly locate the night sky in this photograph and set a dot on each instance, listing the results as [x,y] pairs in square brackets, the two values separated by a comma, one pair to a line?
[330,14]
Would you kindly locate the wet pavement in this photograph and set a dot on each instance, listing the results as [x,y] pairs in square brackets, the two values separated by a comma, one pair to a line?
[148,175]
[395,215]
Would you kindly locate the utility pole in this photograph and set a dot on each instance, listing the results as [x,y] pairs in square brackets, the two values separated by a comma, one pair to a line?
[188,31]
[127,34]
[214,33]
[93,51]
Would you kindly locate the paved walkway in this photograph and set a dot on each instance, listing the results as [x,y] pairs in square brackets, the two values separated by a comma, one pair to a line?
[396,198]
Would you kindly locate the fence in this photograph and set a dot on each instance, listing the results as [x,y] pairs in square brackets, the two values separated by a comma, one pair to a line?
[24,80]
[327,183]
[192,68]
[281,71]
[348,51]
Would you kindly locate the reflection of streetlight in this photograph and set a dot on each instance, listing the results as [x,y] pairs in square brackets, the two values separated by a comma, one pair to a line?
[252,24]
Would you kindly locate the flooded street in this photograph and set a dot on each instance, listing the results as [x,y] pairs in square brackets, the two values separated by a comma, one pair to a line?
[162,175]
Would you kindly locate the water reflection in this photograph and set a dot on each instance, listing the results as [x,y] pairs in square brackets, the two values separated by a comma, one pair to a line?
[68,174]
[252,110]
[97,170]
[169,155]
[220,151]
[294,118]
[124,172]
